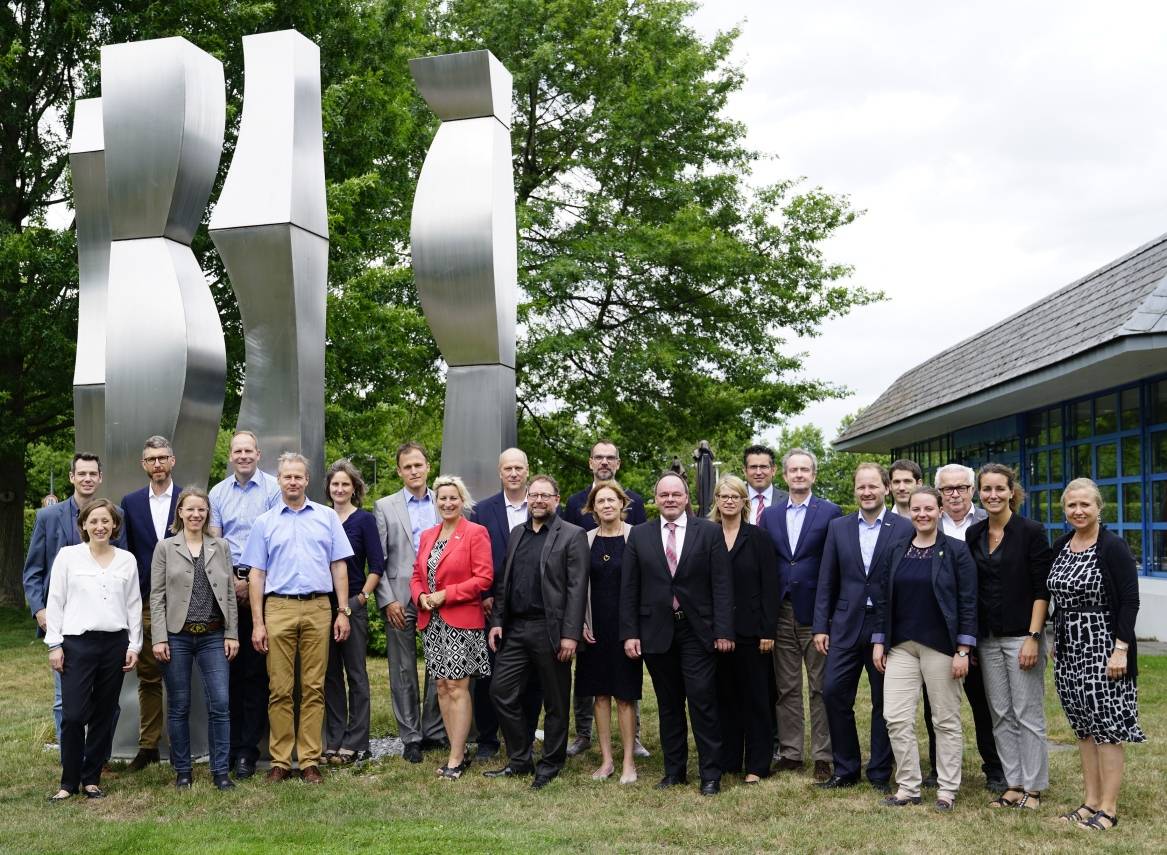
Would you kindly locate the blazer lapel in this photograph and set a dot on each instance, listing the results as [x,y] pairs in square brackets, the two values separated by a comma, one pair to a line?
[882,540]
[454,543]
[184,551]
[402,513]
[807,518]
[552,534]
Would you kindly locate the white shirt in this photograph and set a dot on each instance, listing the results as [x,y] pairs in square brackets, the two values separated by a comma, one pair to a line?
[767,495]
[85,596]
[160,508]
[516,514]
[795,517]
[957,529]
[680,533]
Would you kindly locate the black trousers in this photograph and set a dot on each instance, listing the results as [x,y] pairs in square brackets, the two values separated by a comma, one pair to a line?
[486,716]
[524,652]
[840,686]
[248,693]
[90,686]
[687,671]
[743,701]
[974,690]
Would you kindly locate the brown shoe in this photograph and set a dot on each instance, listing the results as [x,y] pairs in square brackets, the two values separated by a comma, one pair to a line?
[788,765]
[277,774]
[142,759]
[822,770]
[311,775]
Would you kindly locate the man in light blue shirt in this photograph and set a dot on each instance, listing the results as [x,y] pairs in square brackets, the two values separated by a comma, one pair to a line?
[296,552]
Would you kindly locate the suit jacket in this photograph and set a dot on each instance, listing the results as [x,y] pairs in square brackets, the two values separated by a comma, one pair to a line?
[575,503]
[564,567]
[798,570]
[844,588]
[492,513]
[954,582]
[755,584]
[172,579]
[140,536]
[396,533]
[1025,557]
[464,572]
[703,585]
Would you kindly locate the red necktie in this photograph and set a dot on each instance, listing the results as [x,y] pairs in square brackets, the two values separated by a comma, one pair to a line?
[761,507]
[671,555]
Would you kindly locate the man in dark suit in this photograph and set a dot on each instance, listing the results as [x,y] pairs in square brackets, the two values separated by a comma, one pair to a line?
[760,471]
[149,514]
[56,527]
[844,619]
[535,626]
[502,512]
[798,528]
[676,610]
[604,462]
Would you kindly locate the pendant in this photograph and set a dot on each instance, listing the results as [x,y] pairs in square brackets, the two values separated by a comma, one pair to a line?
[606,557]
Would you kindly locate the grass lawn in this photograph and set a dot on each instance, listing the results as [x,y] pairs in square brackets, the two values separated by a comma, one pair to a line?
[397,807]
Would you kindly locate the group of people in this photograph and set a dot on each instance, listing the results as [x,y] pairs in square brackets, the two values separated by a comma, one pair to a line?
[253,581]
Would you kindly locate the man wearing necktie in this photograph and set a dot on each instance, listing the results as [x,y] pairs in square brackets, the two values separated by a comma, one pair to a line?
[758,461]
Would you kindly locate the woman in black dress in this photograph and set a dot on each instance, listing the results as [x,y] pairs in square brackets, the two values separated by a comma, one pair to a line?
[604,671]
[743,687]
[1094,587]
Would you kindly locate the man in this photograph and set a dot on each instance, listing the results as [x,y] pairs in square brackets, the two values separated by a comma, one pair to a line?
[149,513]
[296,552]
[905,476]
[501,514]
[236,502]
[535,627]
[798,527]
[401,518]
[760,470]
[56,527]
[676,610]
[604,462]
[956,484]
[844,619]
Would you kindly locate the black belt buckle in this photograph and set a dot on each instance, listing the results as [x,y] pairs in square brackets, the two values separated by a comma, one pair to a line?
[679,615]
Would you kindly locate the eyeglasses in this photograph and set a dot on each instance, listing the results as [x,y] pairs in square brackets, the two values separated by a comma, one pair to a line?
[958,490]
[728,498]
[541,497]
[154,461]
[605,458]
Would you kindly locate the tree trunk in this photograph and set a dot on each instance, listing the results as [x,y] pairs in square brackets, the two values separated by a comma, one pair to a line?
[12,545]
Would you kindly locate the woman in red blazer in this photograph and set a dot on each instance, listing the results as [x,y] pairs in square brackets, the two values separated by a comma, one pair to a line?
[452,572]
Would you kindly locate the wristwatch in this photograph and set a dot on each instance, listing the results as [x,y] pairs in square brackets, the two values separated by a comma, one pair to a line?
[963,654]
[345,610]
[1036,636]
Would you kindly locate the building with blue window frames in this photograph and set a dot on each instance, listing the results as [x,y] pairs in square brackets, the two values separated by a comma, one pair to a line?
[1073,385]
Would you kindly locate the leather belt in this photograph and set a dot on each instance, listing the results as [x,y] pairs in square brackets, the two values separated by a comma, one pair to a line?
[202,627]
[310,596]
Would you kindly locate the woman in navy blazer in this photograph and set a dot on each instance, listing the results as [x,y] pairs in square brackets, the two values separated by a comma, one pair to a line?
[927,618]
[452,571]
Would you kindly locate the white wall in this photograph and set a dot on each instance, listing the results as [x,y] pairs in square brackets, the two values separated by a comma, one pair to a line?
[1152,622]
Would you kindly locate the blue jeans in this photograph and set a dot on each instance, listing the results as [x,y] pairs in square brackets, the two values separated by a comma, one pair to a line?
[207,650]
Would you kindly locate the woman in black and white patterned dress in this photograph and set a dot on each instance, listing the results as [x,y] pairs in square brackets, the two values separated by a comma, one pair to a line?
[452,572]
[1094,588]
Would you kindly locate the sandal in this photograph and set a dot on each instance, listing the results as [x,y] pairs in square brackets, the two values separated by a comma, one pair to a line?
[343,758]
[453,773]
[1029,801]
[1094,823]
[1002,802]
[93,792]
[1081,813]
[61,795]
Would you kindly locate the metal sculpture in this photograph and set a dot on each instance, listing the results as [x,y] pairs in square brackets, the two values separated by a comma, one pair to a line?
[465,256]
[163,112]
[270,226]
[87,164]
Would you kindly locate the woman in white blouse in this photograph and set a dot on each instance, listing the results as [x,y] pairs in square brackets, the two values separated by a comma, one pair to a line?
[94,633]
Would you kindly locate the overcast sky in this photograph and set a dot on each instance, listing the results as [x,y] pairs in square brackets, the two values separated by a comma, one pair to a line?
[1000,151]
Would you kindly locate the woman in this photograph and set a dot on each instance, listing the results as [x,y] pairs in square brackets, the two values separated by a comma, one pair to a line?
[93,627]
[927,613]
[603,670]
[452,571]
[194,618]
[743,688]
[1095,592]
[1013,558]
[346,728]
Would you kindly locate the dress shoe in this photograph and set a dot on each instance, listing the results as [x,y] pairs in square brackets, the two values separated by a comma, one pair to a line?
[244,768]
[929,782]
[508,771]
[541,781]
[787,765]
[881,786]
[142,759]
[996,785]
[311,775]
[434,745]
[836,783]
[182,781]
[579,745]
[639,750]
[486,751]
[412,752]
[711,787]
[897,801]
[222,782]
[671,781]
[277,774]
[822,771]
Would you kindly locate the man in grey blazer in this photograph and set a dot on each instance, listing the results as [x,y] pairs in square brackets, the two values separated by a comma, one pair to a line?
[401,518]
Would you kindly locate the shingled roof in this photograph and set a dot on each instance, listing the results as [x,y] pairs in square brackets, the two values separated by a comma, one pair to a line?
[1127,297]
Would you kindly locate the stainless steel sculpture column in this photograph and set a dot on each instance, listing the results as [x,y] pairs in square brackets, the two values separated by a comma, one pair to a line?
[163,107]
[270,226]
[87,164]
[465,256]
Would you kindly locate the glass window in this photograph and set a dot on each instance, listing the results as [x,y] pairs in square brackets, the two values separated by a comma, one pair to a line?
[1131,456]
[1081,458]
[1132,503]
[1159,501]
[1107,460]
[1081,420]
[1134,539]
[1106,414]
[1159,451]
[1130,408]
[1109,502]
[1159,402]
[1039,467]
[1055,426]
[1034,425]
[1056,475]
[1159,544]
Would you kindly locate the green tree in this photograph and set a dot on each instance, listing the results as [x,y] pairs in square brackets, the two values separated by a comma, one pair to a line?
[835,479]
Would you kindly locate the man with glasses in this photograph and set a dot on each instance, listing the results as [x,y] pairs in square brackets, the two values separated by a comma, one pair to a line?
[149,513]
[760,470]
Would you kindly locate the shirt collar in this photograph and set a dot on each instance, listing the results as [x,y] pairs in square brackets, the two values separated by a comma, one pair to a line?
[546,524]
[168,492]
[767,494]
[285,508]
[409,497]
[516,507]
[680,521]
[878,520]
[790,503]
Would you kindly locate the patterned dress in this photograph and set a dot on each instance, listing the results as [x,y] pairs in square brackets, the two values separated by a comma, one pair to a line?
[1095,705]
[451,653]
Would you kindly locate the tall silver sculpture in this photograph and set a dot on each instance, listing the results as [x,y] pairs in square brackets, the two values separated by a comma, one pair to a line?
[87,165]
[163,111]
[270,226]
[465,256]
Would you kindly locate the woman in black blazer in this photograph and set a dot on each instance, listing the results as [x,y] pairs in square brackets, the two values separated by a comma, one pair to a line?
[743,687]
[1013,558]
[927,615]
[1095,589]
